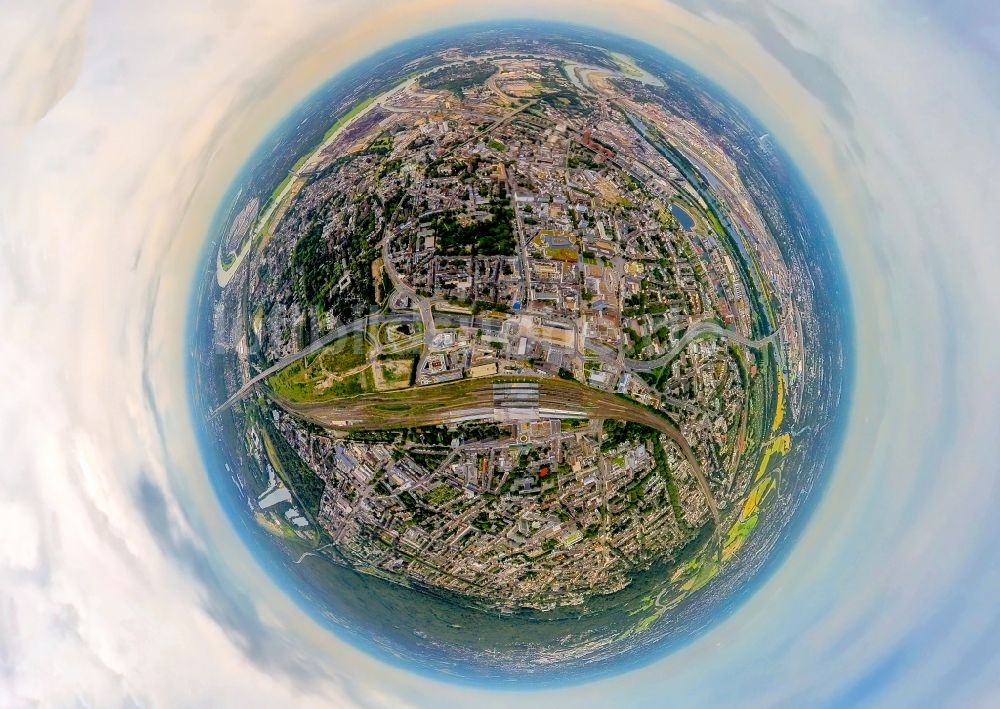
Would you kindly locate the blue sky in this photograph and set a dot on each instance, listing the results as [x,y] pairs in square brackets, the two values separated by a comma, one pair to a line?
[121,126]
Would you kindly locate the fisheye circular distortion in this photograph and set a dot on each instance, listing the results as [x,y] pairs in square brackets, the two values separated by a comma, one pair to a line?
[519,351]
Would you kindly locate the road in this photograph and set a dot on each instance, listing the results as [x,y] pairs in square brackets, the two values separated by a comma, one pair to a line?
[223,274]
[705,327]
[465,398]
[522,243]
[313,347]
[491,83]
[602,404]
[401,287]
[490,324]
[504,120]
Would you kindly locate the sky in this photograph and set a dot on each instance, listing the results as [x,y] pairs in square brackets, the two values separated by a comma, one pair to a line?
[122,124]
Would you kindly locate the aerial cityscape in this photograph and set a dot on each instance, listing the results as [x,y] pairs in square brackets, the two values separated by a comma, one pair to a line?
[533,354]
[518,333]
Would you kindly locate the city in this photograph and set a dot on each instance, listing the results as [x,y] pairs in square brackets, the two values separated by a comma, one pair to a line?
[498,337]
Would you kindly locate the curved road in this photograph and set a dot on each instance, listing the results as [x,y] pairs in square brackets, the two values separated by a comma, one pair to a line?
[698,329]
[443,402]
[360,325]
[315,346]
[400,286]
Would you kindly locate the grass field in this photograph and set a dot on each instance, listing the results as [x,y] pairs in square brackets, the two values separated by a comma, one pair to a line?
[440,495]
[397,370]
[779,407]
[562,254]
[338,370]
[347,117]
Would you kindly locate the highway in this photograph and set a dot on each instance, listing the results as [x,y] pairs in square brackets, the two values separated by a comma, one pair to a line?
[705,327]
[342,331]
[404,316]
[401,287]
[604,405]
[504,120]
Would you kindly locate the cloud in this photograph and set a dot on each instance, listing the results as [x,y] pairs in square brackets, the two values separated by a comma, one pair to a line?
[40,60]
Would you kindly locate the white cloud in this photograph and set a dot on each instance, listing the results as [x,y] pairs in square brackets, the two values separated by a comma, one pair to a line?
[120,581]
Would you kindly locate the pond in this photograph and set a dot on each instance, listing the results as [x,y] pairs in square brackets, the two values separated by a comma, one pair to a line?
[683,217]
